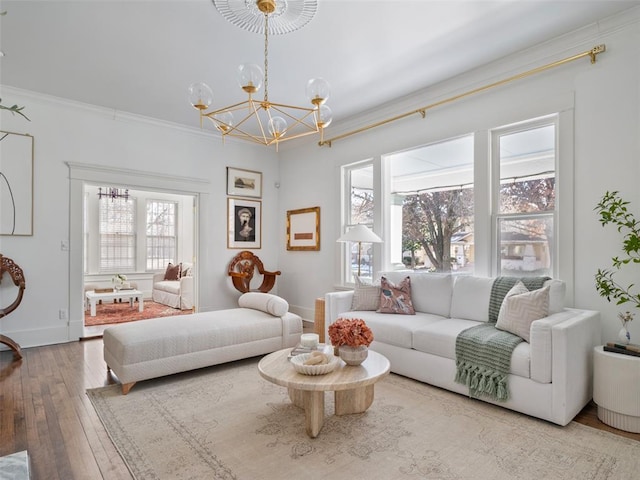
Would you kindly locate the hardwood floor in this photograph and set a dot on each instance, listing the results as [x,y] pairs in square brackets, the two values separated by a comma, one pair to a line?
[44,410]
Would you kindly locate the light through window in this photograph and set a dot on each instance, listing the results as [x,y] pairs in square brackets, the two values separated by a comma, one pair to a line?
[117,235]
[525,215]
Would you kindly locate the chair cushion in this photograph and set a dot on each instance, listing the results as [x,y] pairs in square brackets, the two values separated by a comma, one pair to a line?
[171,286]
[264,302]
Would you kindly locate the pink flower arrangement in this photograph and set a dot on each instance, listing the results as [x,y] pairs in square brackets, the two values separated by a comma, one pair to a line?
[351,332]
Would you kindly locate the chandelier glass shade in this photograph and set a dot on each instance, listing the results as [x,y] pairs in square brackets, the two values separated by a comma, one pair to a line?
[261,120]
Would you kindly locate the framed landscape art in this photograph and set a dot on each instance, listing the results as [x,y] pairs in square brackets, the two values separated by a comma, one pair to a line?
[303,229]
[244,183]
[244,223]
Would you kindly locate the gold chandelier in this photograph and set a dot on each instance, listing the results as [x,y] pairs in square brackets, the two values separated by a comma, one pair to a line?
[263,121]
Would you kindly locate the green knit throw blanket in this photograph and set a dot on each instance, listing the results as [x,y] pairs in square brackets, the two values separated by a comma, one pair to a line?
[483,353]
[483,359]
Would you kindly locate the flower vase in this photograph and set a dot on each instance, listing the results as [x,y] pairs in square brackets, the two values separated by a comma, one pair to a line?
[353,355]
[624,336]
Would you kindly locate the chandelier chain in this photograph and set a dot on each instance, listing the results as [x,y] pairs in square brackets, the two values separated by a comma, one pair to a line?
[266,56]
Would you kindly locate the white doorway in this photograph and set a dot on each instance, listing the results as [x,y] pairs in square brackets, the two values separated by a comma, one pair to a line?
[82,176]
[134,235]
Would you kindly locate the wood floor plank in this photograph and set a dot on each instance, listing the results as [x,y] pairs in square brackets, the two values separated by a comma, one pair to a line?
[44,409]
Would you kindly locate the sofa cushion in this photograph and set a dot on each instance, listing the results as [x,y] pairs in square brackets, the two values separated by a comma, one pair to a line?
[521,307]
[366,295]
[396,298]
[264,302]
[172,272]
[430,292]
[439,338]
[393,329]
[470,298]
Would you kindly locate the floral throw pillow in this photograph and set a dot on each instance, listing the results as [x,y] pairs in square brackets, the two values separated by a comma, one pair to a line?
[396,298]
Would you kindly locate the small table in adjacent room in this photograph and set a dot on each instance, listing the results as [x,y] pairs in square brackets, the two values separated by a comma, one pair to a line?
[93,297]
[353,385]
[616,389]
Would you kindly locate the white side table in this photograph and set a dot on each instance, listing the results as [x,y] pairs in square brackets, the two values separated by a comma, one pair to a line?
[616,389]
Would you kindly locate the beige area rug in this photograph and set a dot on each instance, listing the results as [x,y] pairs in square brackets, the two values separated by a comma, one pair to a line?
[226,422]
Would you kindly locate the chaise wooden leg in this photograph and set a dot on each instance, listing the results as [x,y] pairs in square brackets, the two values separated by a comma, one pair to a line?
[126,387]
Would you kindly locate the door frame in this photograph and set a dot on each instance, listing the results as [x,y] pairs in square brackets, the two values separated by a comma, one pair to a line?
[79,175]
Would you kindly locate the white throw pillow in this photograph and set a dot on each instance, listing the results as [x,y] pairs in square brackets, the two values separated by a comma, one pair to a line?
[265,302]
[366,295]
[522,307]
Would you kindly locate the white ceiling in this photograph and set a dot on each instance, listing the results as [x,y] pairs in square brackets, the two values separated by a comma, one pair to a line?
[140,56]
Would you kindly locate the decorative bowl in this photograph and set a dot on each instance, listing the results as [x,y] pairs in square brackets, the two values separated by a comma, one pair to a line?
[300,367]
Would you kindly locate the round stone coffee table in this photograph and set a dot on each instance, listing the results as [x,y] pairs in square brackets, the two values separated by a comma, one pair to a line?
[353,385]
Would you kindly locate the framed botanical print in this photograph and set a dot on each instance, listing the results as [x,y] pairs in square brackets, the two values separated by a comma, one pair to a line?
[303,229]
[244,183]
[244,223]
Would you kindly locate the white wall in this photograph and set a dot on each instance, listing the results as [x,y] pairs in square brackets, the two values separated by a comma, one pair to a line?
[606,112]
[127,147]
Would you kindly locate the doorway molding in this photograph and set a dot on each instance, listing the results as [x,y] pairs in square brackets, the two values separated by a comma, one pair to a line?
[79,175]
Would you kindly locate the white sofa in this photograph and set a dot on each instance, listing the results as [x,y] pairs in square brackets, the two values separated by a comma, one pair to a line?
[550,377]
[163,346]
[173,293]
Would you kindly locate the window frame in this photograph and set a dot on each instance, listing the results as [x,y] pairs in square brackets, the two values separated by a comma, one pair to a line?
[496,217]
[174,254]
[345,277]
[115,266]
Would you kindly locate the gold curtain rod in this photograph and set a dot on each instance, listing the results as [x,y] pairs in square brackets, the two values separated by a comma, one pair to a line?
[423,111]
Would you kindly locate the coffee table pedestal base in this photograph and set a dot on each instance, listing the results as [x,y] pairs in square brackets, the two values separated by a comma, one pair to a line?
[356,400]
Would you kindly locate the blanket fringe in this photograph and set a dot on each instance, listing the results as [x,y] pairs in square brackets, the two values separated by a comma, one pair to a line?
[482,381]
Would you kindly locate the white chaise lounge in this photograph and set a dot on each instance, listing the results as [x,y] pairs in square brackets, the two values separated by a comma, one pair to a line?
[163,346]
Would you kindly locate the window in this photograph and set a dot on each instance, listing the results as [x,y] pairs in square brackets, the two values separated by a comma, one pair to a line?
[359,203]
[524,157]
[161,234]
[432,203]
[117,235]
[486,203]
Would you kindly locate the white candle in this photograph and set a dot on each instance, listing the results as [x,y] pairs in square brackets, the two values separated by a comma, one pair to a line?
[309,340]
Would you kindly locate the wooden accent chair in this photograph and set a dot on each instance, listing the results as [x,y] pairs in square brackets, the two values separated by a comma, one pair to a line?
[241,271]
[17,275]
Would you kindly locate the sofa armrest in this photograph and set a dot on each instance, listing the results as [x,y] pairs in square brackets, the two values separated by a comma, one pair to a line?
[335,303]
[572,362]
[541,345]
[542,341]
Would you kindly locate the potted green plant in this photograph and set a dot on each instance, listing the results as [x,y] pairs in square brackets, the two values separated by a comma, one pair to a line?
[612,209]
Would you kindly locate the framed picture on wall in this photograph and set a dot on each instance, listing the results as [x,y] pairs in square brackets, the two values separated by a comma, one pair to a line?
[244,183]
[303,229]
[244,223]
